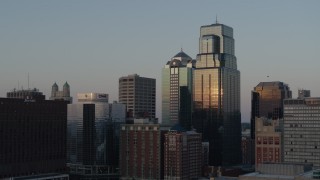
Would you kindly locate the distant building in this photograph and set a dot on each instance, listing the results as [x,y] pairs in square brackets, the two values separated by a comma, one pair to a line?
[303,93]
[182,155]
[30,94]
[177,91]
[283,171]
[32,137]
[93,135]
[140,151]
[267,101]
[268,141]
[139,96]
[61,95]
[301,130]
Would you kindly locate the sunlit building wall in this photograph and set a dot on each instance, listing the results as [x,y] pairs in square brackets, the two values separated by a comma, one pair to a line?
[216,95]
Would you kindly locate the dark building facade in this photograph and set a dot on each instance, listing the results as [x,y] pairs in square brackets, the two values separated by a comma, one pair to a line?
[140,151]
[216,95]
[32,137]
[34,94]
[267,101]
[182,155]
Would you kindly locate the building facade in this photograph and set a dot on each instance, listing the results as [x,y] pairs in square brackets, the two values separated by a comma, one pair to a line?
[268,141]
[301,130]
[139,96]
[140,151]
[267,101]
[30,94]
[177,91]
[182,155]
[93,133]
[216,95]
[32,137]
[61,95]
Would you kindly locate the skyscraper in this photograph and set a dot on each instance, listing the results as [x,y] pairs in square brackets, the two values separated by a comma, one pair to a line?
[216,94]
[139,95]
[301,130]
[267,101]
[32,136]
[177,91]
[93,134]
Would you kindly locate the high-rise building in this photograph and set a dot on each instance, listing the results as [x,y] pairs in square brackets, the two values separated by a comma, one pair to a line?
[140,151]
[182,155]
[32,137]
[177,91]
[139,95]
[61,95]
[268,141]
[30,94]
[93,134]
[267,101]
[216,94]
[301,131]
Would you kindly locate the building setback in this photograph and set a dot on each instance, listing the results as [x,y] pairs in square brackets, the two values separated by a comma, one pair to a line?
[216,95]
[182,155]
[177,91]
[140,151]
[139,95]
[32,137]
[301,130]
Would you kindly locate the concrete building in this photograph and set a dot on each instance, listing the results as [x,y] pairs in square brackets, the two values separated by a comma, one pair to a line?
[93,135]
[140,151]
[177,91]
[216,95]
[301,130]
[182,155]
[268,141]
[61,95]
[30,94]
[139,96]
[283,171]
[32,137]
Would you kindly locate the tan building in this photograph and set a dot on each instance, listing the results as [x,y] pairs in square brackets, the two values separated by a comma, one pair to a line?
[267,141]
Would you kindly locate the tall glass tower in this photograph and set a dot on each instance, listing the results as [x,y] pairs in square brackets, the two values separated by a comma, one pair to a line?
[216,95]
[177,91]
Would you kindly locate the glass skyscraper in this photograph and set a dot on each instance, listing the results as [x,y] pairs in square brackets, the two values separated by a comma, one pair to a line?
[216,95]
[267,101]
[177,91]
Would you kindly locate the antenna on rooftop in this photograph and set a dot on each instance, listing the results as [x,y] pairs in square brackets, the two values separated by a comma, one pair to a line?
[217,19]
[28,82]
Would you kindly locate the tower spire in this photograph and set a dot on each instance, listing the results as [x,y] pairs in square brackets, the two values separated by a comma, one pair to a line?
[217,19]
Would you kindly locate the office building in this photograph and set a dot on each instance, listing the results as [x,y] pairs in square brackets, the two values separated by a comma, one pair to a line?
[30,94]
[216,94]
[32,137]
[182,155]
[267,101]
[177,91]
[268,141]
[93,135]
[61,95]
[139,96]
[301,130]
[140,150]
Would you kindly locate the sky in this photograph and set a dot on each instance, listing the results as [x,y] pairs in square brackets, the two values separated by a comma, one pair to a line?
[91,44]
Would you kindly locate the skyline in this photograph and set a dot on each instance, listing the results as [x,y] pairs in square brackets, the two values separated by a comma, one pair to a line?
[92,44]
